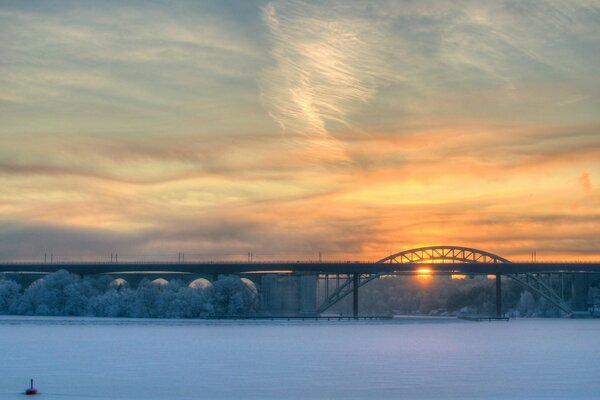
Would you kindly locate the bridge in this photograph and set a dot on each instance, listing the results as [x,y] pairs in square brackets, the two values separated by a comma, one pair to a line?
[300,280]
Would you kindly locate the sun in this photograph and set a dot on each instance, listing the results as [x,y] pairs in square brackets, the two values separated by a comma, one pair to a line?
[424,273]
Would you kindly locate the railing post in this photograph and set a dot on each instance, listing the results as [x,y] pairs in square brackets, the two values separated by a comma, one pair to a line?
[498,295]
[355,277]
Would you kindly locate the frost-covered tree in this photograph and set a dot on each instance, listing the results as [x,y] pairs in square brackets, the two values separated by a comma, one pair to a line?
[59,293]
[10,293]
[594,295]
[187,302]
[231,296]
[527,305]
[116,302]
[63,293]
[146,299]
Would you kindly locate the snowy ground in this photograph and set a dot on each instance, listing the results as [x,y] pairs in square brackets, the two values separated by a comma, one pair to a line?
[169,359]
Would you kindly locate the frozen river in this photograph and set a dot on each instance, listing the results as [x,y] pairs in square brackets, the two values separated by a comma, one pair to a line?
[83,358]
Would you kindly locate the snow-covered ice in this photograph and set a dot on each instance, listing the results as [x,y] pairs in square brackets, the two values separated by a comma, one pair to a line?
[191,359]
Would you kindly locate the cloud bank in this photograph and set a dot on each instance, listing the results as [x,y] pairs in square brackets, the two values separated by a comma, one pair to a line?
[289,128]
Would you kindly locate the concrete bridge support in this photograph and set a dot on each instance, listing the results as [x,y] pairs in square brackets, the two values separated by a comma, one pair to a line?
[289,294]
[498,295]
[308,294]
[355,284]
[580,285]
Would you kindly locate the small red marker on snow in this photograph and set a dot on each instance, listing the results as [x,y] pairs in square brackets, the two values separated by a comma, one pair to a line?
[31,390]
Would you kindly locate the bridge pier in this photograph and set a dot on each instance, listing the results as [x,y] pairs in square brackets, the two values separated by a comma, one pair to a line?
[579,294]
[289,294]
[355,283]
[498,295]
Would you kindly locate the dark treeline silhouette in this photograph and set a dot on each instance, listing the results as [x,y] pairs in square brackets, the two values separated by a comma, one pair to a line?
[63,293]
[445,296]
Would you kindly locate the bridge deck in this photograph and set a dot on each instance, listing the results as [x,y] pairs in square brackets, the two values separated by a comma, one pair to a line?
[90,268]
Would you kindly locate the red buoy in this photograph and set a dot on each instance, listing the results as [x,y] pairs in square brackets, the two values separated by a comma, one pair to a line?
[31,390]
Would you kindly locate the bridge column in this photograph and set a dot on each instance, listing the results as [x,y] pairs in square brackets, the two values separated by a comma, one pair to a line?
[355,282]
[579,293]
[498,295]
[308,294]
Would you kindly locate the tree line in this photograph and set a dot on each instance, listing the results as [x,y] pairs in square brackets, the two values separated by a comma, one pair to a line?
[64,293]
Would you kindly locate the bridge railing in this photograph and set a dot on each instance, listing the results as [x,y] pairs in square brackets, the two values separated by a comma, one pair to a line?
[104,261]
[71,261]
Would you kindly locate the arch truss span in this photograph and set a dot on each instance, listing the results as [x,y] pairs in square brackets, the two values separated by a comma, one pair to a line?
[542,284]
[443,254]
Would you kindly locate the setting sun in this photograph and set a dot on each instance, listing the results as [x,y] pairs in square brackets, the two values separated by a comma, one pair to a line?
[423,273]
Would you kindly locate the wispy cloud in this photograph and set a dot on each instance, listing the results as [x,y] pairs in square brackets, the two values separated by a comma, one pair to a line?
[325,66]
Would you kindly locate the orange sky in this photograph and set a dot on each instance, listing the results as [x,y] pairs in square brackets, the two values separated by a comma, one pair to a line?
[289,128]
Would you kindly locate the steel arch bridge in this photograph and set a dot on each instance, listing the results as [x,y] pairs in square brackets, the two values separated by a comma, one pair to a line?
[540,283]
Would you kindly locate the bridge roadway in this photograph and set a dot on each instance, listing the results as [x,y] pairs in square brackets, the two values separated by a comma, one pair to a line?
[226,268]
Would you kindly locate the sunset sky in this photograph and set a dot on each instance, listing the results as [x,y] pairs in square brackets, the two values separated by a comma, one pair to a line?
[287,128]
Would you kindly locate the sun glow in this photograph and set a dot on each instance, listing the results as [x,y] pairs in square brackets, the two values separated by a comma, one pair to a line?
[424,273]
